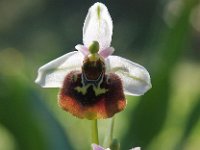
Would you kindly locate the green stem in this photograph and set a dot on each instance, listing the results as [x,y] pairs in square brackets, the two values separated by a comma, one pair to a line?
[95,138]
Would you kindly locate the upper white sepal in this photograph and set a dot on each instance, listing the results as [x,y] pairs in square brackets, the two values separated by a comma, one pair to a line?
[98,26]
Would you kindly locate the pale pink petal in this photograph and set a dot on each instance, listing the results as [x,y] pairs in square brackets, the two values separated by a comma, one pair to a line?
[106,52]
[83,49]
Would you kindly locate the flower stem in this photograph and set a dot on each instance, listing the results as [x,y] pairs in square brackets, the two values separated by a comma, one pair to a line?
[95,138]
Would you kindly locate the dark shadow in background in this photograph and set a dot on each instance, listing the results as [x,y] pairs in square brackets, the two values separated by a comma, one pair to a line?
[51,16]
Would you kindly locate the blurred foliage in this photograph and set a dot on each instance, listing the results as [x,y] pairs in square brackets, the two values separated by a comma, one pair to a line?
[22,111]
[151,112]
[162,35]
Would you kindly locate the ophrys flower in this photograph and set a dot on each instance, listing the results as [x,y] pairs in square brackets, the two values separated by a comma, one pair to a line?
[93,81]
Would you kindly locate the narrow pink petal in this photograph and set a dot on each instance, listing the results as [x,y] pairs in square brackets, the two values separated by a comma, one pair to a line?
[83,49]
[106,52]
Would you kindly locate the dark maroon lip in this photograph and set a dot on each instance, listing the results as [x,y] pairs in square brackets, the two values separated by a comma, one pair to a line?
[101,106]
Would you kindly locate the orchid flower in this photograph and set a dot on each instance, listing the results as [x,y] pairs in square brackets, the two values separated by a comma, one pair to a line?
[92,81]
[97,147]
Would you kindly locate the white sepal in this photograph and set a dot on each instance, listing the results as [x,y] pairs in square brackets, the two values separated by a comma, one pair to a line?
[135,78]
[52,74]
[98,26]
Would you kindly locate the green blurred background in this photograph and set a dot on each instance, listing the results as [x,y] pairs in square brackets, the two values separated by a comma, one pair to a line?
[162,35]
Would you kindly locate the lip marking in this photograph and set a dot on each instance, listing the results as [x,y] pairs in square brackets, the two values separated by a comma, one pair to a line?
[96,85]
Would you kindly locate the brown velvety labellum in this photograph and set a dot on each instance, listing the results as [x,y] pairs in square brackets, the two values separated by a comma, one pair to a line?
[103,104]
[92,94]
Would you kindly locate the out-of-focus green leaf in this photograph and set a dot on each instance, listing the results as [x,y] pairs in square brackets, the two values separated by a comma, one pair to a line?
[24,114]
[192,121]
[150,114]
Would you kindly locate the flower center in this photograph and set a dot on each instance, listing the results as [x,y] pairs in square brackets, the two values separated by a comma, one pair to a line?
[94,47]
